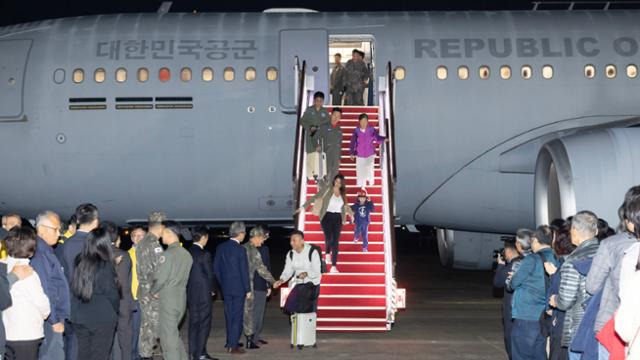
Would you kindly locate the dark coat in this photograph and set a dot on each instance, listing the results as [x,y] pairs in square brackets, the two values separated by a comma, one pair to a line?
[231,268]
[68,251]
[201,278]
[102,309]
[56,286]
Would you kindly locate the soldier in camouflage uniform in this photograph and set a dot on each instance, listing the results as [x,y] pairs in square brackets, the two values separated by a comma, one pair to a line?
[149,255]
[256,268]
[331,136]
[170,286]
[356,77]
[314,117]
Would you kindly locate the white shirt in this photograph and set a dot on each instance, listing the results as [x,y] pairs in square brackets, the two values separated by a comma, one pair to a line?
[30,306]
[335,204]
[299,264]
[199,245]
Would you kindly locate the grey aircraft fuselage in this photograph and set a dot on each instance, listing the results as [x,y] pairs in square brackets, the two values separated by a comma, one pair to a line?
[223,150]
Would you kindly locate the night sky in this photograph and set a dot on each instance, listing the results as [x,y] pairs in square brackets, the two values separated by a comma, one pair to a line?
[19,11]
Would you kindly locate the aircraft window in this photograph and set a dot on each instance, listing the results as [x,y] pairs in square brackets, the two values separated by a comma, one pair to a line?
[207,74]
[185,74]
[632,71]
[78,76]
[526,72]
[164,74]
[484,72]
[143,75]
[441,72]
[610,71]
[399,73]
[100,75]
[463,73]
[250,74]
[589,71]
[229,74]
[121,75]
[505,72]
[547,71]
[272,74]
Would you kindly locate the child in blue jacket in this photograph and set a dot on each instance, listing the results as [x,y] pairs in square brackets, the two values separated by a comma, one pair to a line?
[362,210]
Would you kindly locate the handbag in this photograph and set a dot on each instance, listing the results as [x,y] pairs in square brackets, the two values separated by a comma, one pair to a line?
[317,204]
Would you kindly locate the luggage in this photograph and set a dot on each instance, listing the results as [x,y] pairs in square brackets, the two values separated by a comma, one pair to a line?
[303,330]
[316,165]
[301,299]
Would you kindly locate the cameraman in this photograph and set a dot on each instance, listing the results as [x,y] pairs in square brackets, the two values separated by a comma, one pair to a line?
[506,260]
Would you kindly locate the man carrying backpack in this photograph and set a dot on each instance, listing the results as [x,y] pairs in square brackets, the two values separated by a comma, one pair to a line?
[303,265]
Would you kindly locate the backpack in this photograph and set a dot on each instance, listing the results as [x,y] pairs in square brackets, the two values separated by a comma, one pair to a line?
[323,264]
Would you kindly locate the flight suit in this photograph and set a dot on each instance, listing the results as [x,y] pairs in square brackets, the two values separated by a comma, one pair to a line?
[170,286]
[337,84]
[149,255]
[317,118]
[332,146]
[356,73]
[255,265]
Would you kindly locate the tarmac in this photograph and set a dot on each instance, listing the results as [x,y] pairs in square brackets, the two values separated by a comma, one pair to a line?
[451,314]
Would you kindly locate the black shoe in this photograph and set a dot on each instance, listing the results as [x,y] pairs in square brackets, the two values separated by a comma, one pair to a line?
[240,345]
[251,344]
[263,342]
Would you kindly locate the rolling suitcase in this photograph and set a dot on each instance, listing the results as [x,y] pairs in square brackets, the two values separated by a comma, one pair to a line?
[303,330]
[316,166]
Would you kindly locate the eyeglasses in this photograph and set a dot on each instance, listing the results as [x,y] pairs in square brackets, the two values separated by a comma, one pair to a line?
[57,229]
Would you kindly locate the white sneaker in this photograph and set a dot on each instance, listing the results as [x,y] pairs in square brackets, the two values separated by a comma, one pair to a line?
[364,250]
[334,270]
[355,240]
[327,258]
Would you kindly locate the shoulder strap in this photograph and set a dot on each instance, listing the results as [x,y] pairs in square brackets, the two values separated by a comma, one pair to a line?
[290,254]
[314,248]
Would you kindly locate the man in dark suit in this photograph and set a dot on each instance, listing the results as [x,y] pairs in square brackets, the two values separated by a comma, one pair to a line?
[87,216]
[231,269]
[199,293]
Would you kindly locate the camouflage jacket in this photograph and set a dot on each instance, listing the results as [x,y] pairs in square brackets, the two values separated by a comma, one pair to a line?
[149,255]
[356,74]
[256,265]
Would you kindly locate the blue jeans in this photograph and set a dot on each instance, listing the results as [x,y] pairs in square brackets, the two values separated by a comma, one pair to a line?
[527,342]
[603,353]
[52,347]
[362,231]
[574,355]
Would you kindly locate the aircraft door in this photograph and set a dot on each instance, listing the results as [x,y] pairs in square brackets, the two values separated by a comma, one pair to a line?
[13,62]
[310,45]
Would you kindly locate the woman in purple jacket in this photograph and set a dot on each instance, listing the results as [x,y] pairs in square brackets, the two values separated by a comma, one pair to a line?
[362,149]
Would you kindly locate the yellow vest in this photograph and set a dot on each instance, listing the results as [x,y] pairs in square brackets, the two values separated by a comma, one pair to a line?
[134,273]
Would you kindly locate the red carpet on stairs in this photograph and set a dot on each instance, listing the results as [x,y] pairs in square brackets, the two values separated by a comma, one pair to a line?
[355,298]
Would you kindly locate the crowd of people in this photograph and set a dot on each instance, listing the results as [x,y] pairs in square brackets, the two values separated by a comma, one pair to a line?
[571,288]
[74,294]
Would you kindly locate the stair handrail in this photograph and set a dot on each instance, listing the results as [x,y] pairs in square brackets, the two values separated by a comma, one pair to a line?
[386,120]
[306,86]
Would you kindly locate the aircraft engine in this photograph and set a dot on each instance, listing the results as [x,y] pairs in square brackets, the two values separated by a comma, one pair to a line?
[590,170]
